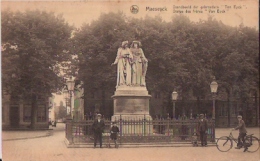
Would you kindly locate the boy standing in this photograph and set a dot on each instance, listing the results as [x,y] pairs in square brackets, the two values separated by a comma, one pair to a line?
[113,133]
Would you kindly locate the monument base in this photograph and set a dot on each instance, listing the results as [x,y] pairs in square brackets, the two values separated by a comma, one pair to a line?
[131,110]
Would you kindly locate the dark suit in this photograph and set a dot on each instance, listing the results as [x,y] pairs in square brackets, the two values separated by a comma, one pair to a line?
[98,128]
[203,127]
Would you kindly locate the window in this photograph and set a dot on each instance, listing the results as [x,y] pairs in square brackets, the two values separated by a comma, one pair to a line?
[223,111]
[234,109]
[27,113]
[41,113]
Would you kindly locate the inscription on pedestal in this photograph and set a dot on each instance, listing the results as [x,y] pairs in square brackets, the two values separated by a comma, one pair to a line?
[131,105]
[131,101]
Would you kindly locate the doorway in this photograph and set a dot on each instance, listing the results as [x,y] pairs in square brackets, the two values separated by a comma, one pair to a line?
[14,116]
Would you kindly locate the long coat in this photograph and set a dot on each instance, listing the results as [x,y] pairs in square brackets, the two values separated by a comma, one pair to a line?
[203,125]
[98,127]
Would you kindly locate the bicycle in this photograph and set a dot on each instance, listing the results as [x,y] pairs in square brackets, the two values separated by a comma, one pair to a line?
[225,143]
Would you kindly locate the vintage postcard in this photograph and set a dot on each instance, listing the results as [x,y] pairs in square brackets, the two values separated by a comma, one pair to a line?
[130,80]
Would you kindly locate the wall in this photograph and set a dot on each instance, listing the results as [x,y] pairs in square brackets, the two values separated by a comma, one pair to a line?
[16,115]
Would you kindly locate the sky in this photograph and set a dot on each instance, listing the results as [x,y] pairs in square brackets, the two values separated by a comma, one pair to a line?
[230,12]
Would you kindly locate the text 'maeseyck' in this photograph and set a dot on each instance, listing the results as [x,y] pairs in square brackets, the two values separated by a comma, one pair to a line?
[160,9]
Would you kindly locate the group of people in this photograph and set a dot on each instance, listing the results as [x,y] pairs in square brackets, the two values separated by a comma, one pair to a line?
[202,128]
[99,126]
[131,65]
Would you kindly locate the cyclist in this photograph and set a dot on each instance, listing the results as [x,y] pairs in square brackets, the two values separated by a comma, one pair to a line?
[242,133]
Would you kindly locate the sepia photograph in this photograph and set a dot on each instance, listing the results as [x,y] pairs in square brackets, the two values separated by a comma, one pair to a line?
[130,80]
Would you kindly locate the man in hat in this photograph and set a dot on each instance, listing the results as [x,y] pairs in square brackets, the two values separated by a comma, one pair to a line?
[203,127]
[242,133]
[98,128]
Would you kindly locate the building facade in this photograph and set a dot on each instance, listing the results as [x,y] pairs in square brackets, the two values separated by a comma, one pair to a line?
[16,113]
[225,110]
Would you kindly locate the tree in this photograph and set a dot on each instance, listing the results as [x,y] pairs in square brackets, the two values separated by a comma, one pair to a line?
[96,45]
[33,45]
[182,55]
[62,111]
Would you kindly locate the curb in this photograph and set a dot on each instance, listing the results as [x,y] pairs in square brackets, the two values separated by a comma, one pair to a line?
[49,133]
[90,145]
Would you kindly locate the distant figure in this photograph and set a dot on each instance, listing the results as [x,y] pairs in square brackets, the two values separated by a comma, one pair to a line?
[123,60]
[242,133]
[114,133]
[53,123]
[203,127]
[98,128]
[184,117]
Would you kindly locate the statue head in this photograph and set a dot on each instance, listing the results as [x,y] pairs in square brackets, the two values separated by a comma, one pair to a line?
[136,44]
[124,43]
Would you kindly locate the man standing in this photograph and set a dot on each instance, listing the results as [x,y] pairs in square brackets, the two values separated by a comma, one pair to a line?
[98,128]
[203,127]
[242,133]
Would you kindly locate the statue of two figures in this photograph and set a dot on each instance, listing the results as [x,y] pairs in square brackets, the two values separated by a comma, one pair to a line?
[131,65]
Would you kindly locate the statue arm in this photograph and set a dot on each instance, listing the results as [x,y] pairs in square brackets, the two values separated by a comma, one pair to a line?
[117,56]
[130,53]
[142,55]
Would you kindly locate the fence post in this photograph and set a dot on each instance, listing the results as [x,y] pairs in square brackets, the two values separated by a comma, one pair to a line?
[72,124]
[168,127]
[191,128]
[121,129]
[144,125]
[69,130]
[213,130]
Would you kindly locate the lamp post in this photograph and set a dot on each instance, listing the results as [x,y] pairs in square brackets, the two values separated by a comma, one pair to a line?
[174,98]
[65,95]
[70,84]
[214,88]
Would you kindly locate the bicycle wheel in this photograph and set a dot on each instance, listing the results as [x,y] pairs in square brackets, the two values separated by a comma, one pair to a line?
[224,144]
[254,143]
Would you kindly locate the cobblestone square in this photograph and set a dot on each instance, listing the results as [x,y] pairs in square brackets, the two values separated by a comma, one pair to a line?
[45,147]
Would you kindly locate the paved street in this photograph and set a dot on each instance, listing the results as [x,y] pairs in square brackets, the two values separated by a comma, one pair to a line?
[52,148]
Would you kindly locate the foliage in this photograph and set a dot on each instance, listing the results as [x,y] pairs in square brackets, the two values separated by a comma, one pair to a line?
[33,45]
[62,111]
[182,55]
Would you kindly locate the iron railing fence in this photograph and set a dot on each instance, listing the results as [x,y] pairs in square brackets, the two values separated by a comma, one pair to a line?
[140,131]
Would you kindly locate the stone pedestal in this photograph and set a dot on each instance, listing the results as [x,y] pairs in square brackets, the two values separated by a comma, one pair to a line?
[131,106]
